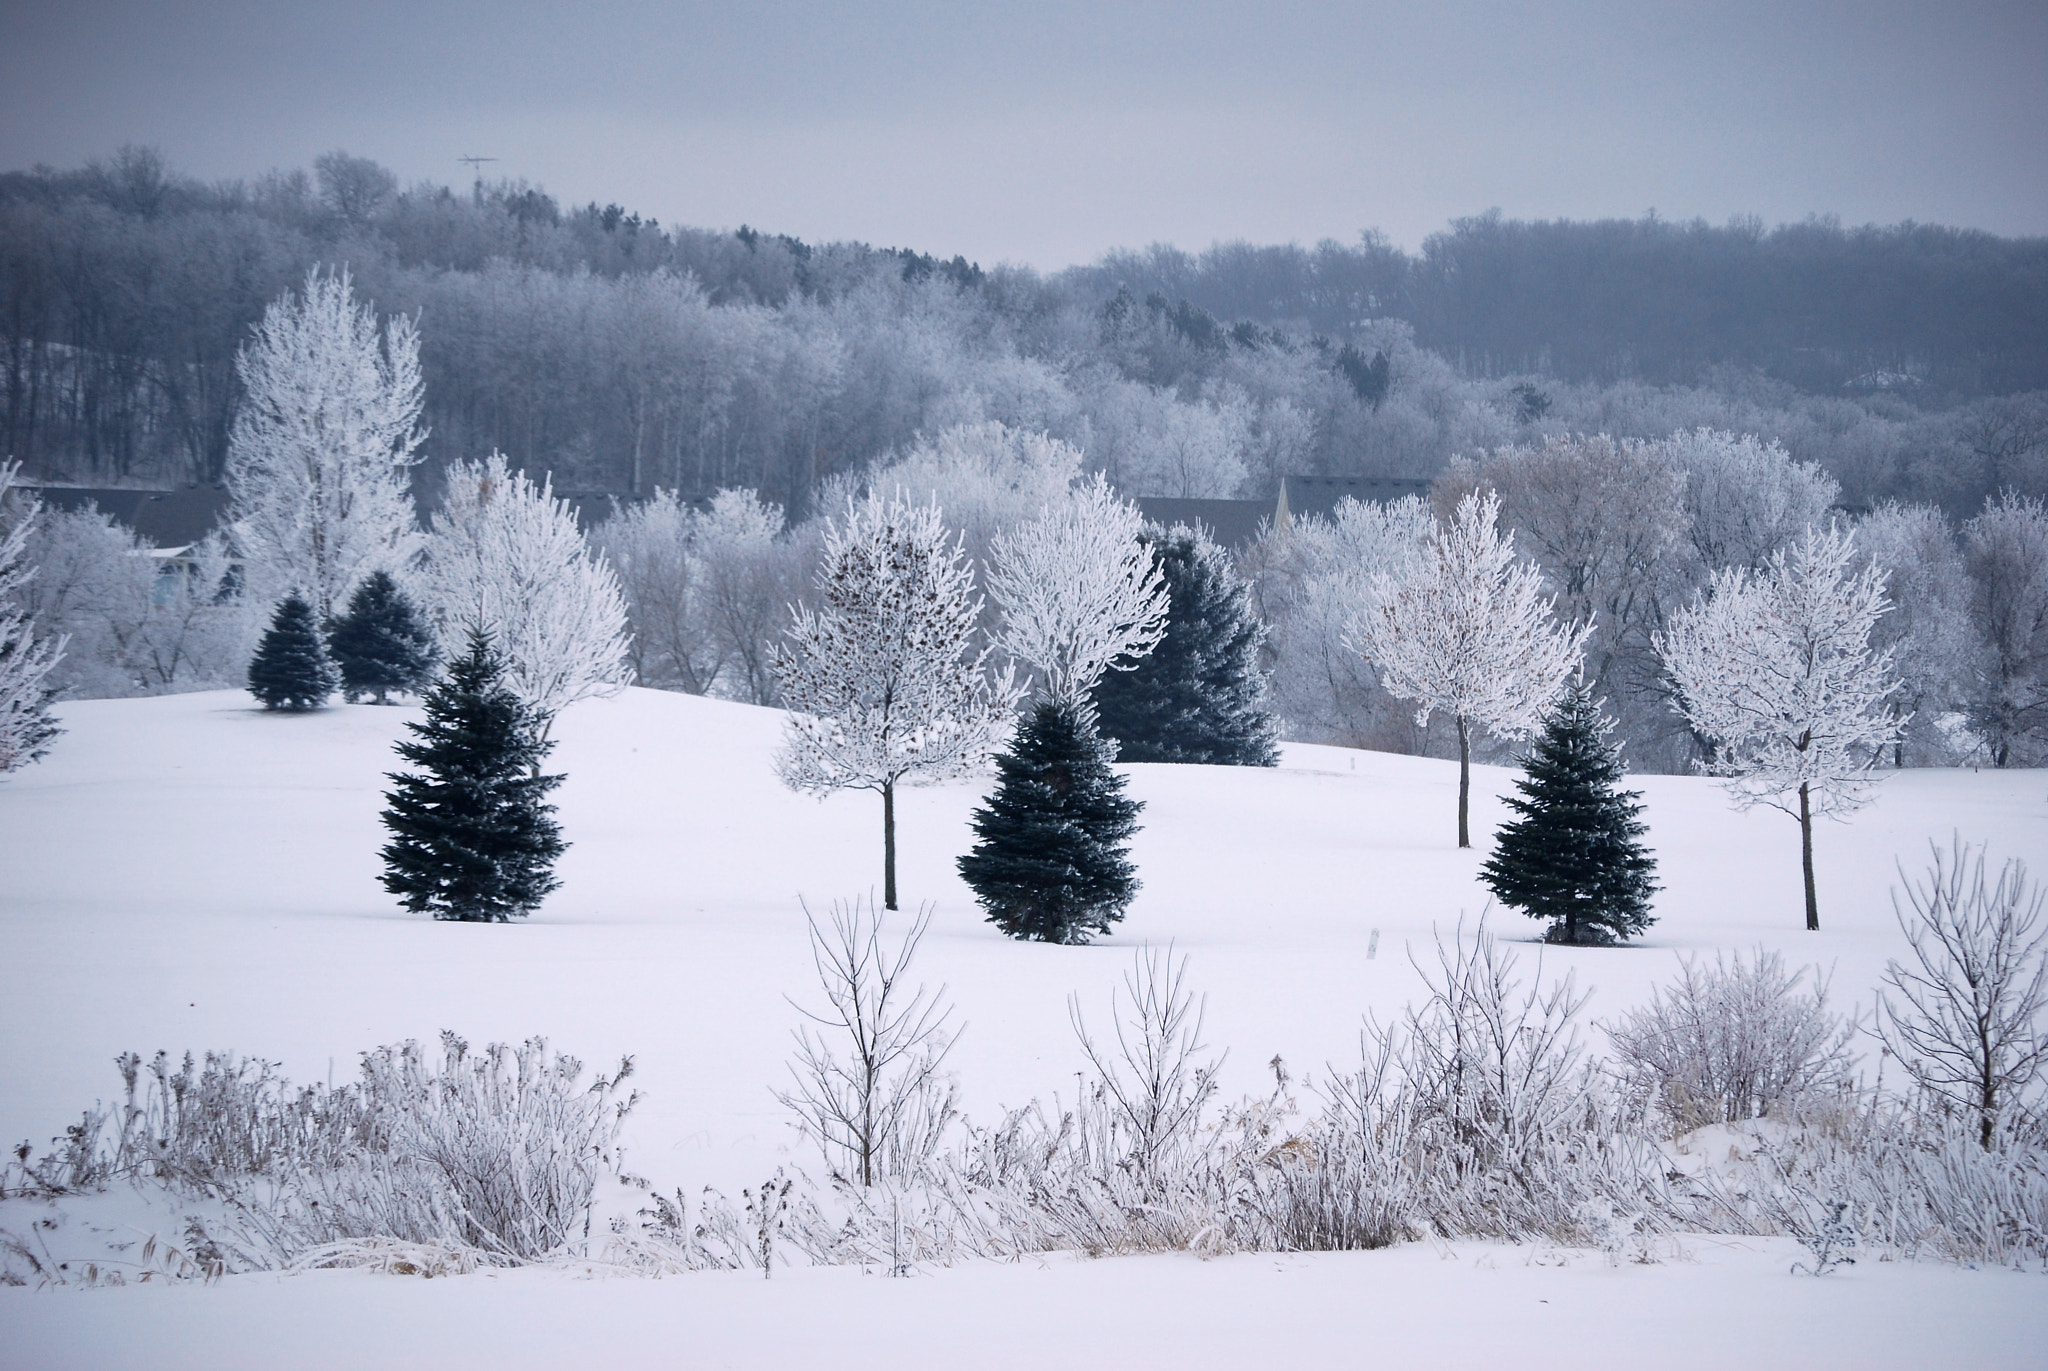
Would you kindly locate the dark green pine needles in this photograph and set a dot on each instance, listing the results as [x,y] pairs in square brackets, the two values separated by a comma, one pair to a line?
[1574,857]
[1050,864]
[473,838]
[381,644]
[291,669]
[1198,696]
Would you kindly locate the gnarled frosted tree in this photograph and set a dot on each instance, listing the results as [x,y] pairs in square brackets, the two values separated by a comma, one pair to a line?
[1777,669]
[1467,630]
[25,658]
[318,456]
[1080,594]
[506,558]
[878,677]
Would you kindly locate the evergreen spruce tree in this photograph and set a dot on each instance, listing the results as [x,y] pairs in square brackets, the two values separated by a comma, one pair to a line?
[1199,695]
[1575,856]
[382,644]
[473,838]
[1050,865]
[291,669]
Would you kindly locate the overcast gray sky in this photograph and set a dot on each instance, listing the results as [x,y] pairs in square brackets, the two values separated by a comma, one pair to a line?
[1047,132]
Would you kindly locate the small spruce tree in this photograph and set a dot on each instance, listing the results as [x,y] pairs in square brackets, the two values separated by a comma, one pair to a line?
[382,644]
[1199,695]
[291,669]
[473,837]
[1575,856]
[1050,865]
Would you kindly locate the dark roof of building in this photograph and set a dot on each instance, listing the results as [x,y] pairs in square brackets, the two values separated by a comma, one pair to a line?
[1231,523]
[167,518]
[1234,523]
[1321,494]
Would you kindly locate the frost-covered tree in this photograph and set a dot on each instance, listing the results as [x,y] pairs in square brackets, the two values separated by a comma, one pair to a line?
[291,670]
[1314,579]
[140,619]
[26,660]
[1199,696]
[507,557]
[1575,855]
[2007,551]
[1606,519]
[1746,499]
[383,643]
[318,457]
[746,572]
[649,548]
[880,677]
[1080,594]
[1965,1019]
[1934,644]
[1777,669]
[1468,631]
[473,838]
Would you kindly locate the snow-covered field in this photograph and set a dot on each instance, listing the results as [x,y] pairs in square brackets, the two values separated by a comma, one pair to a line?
[190,872]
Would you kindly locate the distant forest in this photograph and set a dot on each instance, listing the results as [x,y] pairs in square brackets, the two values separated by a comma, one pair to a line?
[623,355]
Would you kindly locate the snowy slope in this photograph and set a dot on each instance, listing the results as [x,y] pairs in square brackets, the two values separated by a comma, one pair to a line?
[190,872]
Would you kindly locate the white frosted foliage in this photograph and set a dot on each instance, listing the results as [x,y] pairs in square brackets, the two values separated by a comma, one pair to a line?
[880,678]
[318,457]
[507,555]
[1080,594]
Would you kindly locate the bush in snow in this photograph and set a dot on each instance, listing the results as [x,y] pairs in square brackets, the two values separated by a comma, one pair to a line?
[1737,1040]
[1050,862]
[1199,696]
[473,838]
[491,1157]
[291,669]
[1575,856]
[382,644]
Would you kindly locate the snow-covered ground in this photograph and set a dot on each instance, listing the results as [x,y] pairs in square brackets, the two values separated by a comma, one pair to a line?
[191,872]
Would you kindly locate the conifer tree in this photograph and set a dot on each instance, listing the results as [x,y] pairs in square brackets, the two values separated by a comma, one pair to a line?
[1199,695]
[1050,865]
[473,837]
[291,669]
[1575,856]
[382,644]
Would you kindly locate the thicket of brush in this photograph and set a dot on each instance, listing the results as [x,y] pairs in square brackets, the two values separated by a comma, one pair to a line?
[1480,1113]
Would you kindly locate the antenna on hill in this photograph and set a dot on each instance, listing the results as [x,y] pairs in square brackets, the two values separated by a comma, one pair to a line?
[476,164]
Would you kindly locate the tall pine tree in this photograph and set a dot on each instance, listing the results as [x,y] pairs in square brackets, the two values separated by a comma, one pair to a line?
[291,669]
[382,644]
[1575,856]
[473,837]
[1199,695]
[1050,865]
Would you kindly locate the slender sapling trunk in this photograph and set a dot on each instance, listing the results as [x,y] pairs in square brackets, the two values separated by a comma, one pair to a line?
[889,845]
[1806,857]
[1464,786]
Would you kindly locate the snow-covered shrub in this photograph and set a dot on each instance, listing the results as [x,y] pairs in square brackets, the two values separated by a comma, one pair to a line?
[1737,1040]
[496,1153]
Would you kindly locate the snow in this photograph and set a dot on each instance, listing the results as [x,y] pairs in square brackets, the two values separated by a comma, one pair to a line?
[188,871]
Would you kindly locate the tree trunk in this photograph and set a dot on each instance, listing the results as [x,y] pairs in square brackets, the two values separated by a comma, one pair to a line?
[1464,786]
[889,845]
[1806,858]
